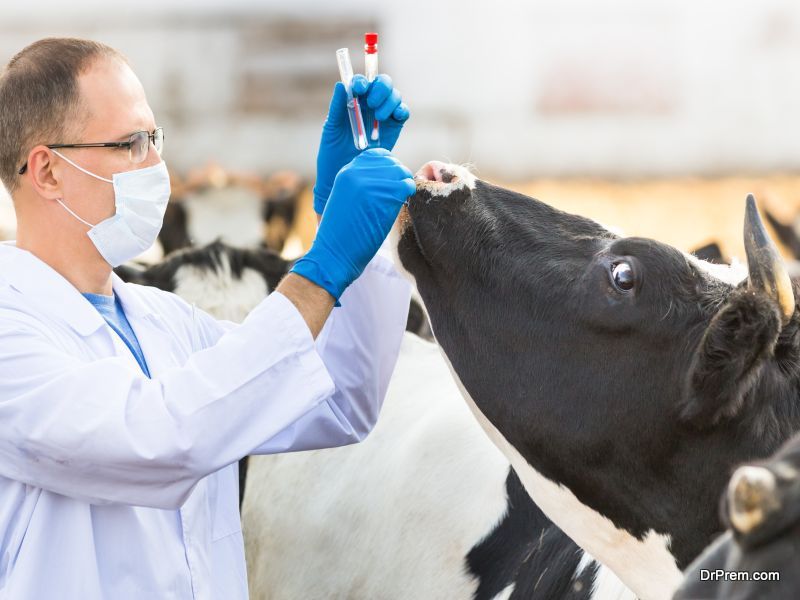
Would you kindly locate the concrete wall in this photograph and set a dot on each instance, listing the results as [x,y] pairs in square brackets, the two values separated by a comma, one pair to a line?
[519,89]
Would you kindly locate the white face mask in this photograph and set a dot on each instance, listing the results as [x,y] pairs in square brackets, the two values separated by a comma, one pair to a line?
[140,197]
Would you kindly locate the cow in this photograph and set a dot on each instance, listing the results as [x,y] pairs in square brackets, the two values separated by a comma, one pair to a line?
[710,252]
[244,208]
[786,234]
[224,280]
[622,378]
[761,508]
[425,507]
[228,281]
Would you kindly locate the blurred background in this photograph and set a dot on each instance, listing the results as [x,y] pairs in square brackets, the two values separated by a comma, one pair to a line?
[654,118]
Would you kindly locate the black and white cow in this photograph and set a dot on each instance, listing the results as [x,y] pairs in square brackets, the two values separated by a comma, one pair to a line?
[762,510]
[224,280]
[214,203]
[622,378]
[228,281]
[425,507]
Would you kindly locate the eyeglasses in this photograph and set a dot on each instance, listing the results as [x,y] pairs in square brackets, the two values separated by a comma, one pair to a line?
[138,145]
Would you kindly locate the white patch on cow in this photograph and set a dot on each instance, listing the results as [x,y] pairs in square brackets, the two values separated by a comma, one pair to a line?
[605,584]
[646,566]
[392,241]
[462,179]
[391,517]
[232,214]
[505,594]
[218,292]
[732,274]
[584,563]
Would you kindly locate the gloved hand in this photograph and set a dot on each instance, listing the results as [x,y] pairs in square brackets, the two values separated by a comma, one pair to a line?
[367,195]
[336,147]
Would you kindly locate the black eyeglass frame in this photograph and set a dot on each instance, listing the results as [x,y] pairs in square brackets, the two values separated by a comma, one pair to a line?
[151,138]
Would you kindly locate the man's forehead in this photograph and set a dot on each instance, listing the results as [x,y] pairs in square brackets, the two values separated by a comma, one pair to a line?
[113,100]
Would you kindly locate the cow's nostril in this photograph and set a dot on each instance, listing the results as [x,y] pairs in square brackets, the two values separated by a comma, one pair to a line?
[436,171]
[426,173]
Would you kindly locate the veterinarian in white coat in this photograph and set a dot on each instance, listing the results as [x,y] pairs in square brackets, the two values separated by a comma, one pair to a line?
[124,410]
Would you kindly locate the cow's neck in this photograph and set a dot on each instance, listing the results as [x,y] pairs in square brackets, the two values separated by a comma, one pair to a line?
[646,566]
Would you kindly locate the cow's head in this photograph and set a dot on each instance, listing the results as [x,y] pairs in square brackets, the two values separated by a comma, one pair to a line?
[622,377]
[224,280]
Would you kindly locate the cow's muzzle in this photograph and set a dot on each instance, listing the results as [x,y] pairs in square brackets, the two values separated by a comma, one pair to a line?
[442,179]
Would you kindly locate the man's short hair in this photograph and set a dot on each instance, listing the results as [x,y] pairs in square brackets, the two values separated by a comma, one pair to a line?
[40,99]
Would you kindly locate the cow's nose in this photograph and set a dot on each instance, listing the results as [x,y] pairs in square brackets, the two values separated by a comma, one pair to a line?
[436,171]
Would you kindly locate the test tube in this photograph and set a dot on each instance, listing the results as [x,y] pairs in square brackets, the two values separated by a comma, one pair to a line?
[353,109]
[371,71]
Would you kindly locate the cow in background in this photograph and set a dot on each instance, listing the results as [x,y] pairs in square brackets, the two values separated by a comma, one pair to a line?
[242,208]
[761,509]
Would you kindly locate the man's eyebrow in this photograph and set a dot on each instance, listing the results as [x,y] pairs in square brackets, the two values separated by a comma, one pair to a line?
[126,136]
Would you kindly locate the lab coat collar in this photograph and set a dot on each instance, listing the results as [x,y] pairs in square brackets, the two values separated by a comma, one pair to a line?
[48,289]
[131,301]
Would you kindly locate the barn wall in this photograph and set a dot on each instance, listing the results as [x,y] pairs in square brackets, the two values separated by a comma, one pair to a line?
[519,89]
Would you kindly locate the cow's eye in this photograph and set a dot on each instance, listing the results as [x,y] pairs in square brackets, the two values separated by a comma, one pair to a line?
[622,276]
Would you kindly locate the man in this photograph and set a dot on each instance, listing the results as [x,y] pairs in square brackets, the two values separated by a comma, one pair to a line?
[123,410]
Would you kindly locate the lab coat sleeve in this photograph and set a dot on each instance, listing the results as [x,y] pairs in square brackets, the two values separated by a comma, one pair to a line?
[359,345]
[99,431]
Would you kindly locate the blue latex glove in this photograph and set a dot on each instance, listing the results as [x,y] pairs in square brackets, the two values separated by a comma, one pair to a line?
[336,147]
[367,195]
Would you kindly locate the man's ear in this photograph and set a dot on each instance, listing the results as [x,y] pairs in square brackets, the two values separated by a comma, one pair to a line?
[731,354]
[41,173]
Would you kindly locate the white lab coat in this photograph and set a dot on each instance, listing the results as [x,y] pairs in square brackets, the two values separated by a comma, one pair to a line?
[113,485]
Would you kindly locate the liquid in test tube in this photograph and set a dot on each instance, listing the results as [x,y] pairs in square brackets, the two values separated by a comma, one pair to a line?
[353,108]
[371,71]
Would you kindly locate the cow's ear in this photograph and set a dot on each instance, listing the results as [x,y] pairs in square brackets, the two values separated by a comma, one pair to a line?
[743,333]
[734,347]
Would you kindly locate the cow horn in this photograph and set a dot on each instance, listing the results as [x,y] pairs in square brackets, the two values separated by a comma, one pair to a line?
[751,494]
[765,265]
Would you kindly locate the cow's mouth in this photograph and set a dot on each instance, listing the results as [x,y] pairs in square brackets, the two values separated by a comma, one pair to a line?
[441,179]
[437,172]
[431,213]
[434,180]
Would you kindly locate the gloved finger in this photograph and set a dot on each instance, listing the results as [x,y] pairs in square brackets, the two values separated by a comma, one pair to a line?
[380,90]
[385,110]
[407,174]
[337,111]
[359,84]
[372,153]
[390,172]
[378,158]
[372,157]
[396,172]
[401,113]
[408,188]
